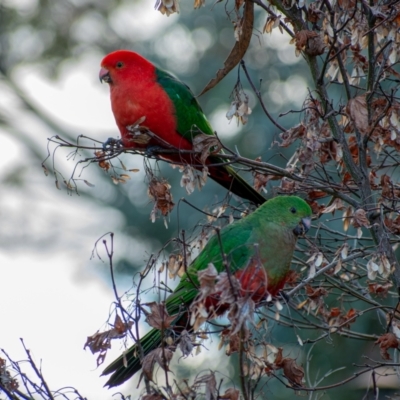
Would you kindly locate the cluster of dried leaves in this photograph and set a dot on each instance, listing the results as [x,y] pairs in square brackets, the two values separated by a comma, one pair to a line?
[6,380]
[100,342]
[239,105]
[160,193]
[103,159]
[204,385]
[334,317]
[388,341]
[167,7]
[275,361]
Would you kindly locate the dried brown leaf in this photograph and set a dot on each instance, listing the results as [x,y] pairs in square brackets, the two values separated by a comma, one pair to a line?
[199,3]
[185,343]
[239,49]
[387,186]
[140,134]
[289,136]
[228,287]
[161,356]
[158,316]
[378,289]
[360,219]
[103,164]
[301,39]
[210,383]
[316,194]
[271,23]
[350,315]
[261,179]
[393,225]
[314,294]
[199,312]
[293,372]
[334,312]
[188,180]
[153,396]
[336,204]
[278,357]
[206,145]
[207,278]
[100,342]
[358,113]
[387,341]
[230,394]
[287,185]
[314,13]
[167,7]
[346,218]
[347,4]
[241,312]
[233,341]
[316,46]
[159,192]
[315,207]
[175,266]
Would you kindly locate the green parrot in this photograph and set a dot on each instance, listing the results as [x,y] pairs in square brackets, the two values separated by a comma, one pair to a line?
[259,249]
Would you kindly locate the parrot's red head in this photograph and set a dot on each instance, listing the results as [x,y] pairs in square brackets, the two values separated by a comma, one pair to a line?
[124,64]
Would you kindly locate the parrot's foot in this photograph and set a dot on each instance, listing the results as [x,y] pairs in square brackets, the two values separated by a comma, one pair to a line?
[285,296]
[152,150]
[112,143]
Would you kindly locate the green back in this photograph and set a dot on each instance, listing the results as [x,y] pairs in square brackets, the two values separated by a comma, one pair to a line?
[187,109]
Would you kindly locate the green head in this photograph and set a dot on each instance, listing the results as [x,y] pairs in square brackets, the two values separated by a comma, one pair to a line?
[289,211]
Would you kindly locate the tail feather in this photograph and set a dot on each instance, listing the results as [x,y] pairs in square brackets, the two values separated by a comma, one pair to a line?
[126,365]
[229,179]
[223,174]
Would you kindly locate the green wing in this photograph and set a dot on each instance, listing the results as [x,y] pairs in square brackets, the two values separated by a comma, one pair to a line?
[190,121]
[237,244]
[187,108]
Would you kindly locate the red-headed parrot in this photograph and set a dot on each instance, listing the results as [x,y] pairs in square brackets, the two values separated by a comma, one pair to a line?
[142,92]
[259,249]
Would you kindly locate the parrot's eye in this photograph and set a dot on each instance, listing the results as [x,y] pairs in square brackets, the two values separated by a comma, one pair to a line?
[293,210]
[120,64]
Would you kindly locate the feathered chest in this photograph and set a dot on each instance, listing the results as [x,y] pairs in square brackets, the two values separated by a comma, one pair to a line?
[130,103]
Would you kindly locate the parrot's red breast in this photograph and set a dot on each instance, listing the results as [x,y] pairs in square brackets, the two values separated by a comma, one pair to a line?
[135,93]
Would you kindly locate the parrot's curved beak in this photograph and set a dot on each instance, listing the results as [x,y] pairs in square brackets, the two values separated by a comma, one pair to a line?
[104,75]
[303,226]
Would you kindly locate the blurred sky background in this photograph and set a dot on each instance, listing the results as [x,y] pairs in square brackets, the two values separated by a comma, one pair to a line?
[53,295]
